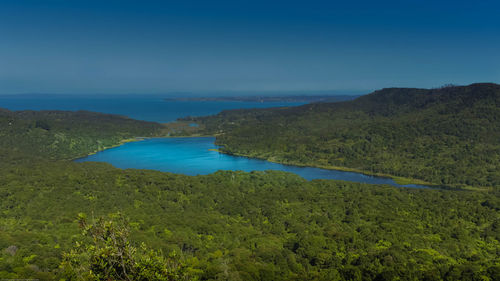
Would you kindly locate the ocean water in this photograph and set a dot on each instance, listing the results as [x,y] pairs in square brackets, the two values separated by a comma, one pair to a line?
[194,156]
[140,107]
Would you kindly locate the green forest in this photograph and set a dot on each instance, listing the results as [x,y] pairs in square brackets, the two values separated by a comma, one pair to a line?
[62,220]
[446,137]
[58,135]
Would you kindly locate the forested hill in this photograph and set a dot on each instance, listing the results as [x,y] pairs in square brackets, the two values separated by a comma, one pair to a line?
[65,134]
[228,225]
[447,136]
[452,99]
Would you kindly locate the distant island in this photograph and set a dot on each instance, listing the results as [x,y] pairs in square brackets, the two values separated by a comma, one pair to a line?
[294,98]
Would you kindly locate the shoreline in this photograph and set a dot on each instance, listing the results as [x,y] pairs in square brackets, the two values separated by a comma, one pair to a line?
[397,179]
[122,142]
[136,139]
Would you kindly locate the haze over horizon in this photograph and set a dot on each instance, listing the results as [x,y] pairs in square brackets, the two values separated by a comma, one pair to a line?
[155,47]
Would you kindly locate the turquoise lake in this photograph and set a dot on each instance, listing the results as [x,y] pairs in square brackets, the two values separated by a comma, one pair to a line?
[192,156]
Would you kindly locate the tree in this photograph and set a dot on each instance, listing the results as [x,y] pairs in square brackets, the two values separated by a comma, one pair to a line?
[109,255]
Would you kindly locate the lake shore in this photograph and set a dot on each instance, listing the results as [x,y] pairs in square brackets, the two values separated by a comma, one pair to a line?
[136,139]
[398,180]
[214,148]
[122,142]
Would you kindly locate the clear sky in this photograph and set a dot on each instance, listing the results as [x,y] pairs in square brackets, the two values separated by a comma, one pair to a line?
[72,46]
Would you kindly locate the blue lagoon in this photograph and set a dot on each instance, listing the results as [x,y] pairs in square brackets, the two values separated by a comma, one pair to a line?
[197,156]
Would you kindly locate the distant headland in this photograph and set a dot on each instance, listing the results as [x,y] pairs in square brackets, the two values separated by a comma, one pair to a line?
[294,98]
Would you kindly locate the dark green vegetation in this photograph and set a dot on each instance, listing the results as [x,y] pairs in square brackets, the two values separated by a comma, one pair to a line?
[252,226]
[110,255]
[448,136]
[64,134]
[236,225]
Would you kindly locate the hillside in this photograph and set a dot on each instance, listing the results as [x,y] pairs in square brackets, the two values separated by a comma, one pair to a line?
[60,135]
[448,136]
[227,225]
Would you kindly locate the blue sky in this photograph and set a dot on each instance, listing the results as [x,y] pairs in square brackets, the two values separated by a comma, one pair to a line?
[208,46]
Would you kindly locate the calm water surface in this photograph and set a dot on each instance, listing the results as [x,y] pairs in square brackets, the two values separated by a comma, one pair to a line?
[192,156]
[140,107]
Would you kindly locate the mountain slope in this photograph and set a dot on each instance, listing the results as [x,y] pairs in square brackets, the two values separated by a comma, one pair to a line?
[64,134]
[447,136]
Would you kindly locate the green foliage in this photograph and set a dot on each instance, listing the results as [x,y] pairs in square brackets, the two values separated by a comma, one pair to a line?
[448,136]
[65,134]
[261,225]
[111,256]
[250,226]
